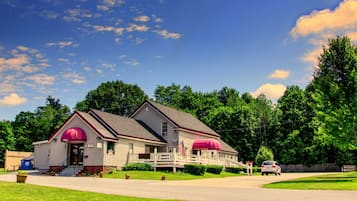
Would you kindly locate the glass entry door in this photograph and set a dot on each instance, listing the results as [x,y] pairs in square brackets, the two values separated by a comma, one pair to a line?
[76,154]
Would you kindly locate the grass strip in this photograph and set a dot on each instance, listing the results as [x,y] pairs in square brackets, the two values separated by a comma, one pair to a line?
[157,175]
[342,181]
[18,192]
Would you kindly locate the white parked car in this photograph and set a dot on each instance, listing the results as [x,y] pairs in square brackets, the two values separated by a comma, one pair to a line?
[270,167]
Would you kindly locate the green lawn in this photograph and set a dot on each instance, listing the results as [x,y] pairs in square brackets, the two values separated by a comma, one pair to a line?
[342,181]
[2,171]
[151,175]
[15,191]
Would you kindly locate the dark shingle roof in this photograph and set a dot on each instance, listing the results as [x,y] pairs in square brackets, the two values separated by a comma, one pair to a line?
[226,147]
[125,126]
[183,119]
[97,125]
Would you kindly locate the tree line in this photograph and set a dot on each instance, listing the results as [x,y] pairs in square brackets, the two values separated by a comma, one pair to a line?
[305,126]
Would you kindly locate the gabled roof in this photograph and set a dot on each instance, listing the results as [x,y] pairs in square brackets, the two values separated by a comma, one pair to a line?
[226,147]
[123,126]
[90,121]
[101,130]
[180,119]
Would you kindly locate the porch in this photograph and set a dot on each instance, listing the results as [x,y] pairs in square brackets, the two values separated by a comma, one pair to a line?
[176,160]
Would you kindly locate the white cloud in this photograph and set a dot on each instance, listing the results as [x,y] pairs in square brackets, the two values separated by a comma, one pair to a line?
[12,100]
[132,63]
[87,68]
[352,36]
[102,7]
[271,91]
[116,30]
[6,87]
[280,74]
[49,14]
[62,44]
[165,34]
[135,27]
[75,78]
[138,41]
[77,14]
[106,5]
[30,69]
[344,16]
[142,18]
[42,79]
[312,55]
[22,48]
[64,60]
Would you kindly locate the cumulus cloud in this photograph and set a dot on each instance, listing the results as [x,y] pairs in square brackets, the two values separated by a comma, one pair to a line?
[77,14]
[42,79]
[280,74]
[344,16]
[142,18]
[352,36]
[271,91]
[165,34]
[117,30]
[312,55]
[135,27]
[12,100]
[107,5]
[74,78]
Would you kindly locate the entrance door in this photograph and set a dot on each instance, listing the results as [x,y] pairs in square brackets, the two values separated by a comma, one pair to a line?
[76,154]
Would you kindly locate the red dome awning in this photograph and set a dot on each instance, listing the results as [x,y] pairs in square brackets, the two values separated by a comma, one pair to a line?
[74,134]
[210,144]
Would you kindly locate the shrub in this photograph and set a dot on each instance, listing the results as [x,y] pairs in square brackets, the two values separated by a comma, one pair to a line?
[236,170]
[257,169]
[215,169]
[264,154]
[138,166]
[195,169]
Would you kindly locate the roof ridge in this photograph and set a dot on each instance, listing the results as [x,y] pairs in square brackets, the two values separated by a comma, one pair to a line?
[177,111]
[93,113]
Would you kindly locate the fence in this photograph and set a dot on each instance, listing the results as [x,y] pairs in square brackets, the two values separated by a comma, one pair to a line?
[327,167]
[175,160]
[13,159]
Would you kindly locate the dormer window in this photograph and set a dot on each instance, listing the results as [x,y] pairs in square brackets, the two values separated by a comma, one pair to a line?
[164,128]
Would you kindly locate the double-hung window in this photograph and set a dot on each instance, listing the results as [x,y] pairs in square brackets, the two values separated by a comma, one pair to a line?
[164,128]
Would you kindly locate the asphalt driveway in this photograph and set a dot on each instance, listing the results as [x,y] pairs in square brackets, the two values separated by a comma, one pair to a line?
[242,188]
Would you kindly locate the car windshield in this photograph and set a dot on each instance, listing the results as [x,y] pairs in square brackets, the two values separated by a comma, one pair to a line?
[267,163]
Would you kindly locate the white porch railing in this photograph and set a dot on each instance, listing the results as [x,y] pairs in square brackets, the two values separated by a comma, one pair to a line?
[176,160]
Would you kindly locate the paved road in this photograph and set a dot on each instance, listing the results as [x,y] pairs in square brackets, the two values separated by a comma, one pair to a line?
[224,189]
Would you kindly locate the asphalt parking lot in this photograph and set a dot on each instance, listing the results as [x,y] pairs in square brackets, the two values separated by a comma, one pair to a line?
[242,188]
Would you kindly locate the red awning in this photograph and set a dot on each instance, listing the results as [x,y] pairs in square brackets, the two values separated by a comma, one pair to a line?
[74,134]
[210,144]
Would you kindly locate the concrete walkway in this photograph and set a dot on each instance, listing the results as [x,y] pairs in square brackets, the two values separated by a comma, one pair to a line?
[242,188]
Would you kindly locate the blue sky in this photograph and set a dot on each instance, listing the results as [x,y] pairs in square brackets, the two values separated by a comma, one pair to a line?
[66,48]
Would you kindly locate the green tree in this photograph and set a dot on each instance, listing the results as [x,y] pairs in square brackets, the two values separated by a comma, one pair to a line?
[115,97]
[7,139]
[23,126]
[264,154]
[295,135]
[40,124]
[333,94]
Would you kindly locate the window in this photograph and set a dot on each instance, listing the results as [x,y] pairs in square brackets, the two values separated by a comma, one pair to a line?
[164,128]
[110,147]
